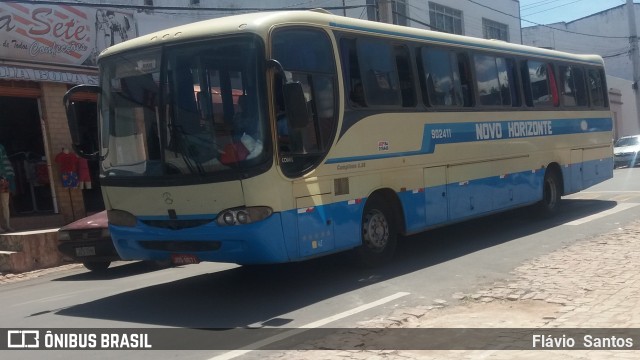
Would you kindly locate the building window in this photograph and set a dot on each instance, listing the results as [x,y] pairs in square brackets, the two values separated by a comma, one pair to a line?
[148,2]
[495,30]
[445,19]
[399,9]
[194,2]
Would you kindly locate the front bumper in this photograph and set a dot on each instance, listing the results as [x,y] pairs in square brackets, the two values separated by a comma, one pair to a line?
[257,243]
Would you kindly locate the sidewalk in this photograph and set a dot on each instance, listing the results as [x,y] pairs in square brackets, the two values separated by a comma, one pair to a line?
[12,278]
[594,283]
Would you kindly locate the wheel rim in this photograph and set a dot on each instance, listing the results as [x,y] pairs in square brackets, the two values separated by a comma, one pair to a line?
[375,230]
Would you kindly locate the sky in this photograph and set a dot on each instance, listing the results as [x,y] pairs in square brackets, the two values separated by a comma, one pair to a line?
[551,11]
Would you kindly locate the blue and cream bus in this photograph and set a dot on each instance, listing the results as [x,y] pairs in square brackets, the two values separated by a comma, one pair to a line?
[283,136]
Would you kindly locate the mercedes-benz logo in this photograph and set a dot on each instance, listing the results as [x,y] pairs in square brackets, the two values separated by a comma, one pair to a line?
[168,199]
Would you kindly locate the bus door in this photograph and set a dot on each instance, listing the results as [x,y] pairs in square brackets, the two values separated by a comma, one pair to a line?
[435,192]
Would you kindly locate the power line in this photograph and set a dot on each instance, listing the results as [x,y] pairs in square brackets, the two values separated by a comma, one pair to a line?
[555,7]
[615,55]
[538,4]
[414,20]
[547,26]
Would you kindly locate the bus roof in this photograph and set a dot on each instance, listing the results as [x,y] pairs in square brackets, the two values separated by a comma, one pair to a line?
[262,22]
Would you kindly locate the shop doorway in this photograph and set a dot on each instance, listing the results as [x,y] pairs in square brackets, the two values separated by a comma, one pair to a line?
[21,135]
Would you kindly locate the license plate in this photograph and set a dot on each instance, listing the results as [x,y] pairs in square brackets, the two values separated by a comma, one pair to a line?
[184,259]
[86,251]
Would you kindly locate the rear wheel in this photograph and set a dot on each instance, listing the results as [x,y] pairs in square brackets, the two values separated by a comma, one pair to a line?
[551,194]
[379,237]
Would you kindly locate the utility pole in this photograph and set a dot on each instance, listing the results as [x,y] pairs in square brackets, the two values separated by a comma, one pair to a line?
[385,12]
[633,53]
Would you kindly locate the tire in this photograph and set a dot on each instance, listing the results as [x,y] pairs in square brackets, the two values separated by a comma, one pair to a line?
[97,266]
[379,236]
[551,194]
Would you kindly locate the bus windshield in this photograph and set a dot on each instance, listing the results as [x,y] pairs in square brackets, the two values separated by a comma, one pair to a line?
[183,110]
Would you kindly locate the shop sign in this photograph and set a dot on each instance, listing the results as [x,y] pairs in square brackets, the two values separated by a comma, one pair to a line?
[29,74]
[61,34]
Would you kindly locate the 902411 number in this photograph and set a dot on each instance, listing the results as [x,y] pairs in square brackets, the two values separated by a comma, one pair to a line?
[441,133]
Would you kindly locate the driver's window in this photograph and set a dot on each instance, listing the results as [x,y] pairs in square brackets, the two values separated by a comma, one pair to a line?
[308,58]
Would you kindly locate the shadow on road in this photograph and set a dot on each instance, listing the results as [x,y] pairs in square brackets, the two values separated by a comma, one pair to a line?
[241,296]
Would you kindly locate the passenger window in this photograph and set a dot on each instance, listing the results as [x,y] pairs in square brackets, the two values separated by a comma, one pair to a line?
[496,81]
[492,80]
[351,73]
[596,86]
[379,73]
[572,86]
[440,78]
[405,74]
[541,84]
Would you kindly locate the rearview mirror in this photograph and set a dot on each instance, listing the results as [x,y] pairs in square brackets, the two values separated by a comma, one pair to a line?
[77,141]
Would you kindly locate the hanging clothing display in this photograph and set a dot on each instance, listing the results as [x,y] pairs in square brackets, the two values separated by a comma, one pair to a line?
[68,163]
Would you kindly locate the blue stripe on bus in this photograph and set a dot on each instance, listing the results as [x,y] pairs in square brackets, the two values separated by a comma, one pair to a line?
[459,43]
[452,133]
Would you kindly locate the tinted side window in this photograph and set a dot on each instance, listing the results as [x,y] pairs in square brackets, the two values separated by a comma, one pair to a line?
[351,73]
[405,74]
[495,80]
[539,81]
[487,80]
[304,50]
[595,83]
[572,89]
[379,73]
[440,78]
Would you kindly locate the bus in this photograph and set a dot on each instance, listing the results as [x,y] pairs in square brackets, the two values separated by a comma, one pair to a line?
[283,136]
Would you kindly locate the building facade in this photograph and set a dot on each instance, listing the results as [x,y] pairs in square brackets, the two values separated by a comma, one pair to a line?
[46,48]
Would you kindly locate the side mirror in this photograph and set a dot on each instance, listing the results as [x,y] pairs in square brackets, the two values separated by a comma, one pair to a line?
[295,105]
[73,121]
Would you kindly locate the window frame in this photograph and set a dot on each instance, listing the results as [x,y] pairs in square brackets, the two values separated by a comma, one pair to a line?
[492,24]
[436,9]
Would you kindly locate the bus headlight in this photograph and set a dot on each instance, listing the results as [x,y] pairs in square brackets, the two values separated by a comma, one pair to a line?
[241,216]
[228,218]
[121,218]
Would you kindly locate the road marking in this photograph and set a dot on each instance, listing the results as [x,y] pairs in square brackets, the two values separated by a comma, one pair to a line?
[622,198]
[584,196]
[235,353]
[616,209]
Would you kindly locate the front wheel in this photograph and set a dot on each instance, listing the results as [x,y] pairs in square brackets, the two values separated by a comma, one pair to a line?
[379,237]
[551,194]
